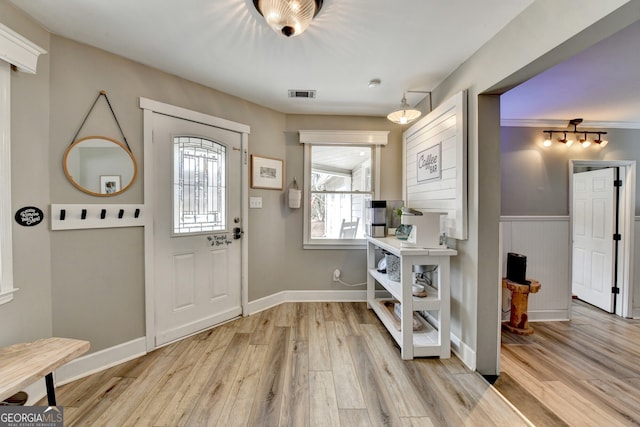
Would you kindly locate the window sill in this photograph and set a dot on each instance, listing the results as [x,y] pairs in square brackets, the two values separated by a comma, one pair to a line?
[7,296]
[333,245]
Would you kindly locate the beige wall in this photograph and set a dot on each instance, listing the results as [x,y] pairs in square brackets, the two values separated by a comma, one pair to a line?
[28,316]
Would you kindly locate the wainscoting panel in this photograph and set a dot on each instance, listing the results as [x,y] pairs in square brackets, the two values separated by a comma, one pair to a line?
[545,243]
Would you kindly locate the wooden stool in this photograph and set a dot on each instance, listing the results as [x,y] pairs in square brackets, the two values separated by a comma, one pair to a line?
[519,320]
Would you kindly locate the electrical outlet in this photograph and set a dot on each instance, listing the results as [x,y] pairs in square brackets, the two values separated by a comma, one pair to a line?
[336,275]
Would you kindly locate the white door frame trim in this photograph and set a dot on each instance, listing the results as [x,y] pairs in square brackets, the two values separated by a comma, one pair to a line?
[627,219]
[150,107]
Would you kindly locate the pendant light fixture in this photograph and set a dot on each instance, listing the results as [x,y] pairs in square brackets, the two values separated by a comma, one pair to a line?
[288,17]
[405,114]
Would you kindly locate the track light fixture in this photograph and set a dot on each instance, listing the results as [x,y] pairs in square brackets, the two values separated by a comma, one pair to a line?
[581,135]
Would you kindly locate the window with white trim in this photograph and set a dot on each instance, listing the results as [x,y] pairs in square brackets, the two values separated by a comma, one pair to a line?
[20,53]
[341,175]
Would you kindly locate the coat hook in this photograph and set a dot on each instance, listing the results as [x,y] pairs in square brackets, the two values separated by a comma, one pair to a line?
[83,215]
[63,214]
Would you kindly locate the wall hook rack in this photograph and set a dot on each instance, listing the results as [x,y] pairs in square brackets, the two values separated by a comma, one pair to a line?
[87,216]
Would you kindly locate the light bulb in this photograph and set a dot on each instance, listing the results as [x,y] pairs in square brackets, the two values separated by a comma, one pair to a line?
[547,143]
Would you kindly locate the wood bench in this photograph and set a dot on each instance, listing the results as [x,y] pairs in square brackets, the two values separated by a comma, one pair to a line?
[23,364]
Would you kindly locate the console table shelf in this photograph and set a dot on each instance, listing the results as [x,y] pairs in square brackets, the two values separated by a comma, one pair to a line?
[434,340]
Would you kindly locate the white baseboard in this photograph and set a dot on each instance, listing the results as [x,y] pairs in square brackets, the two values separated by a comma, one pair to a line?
[89,364]
[548,315]
[635,313]
[464,352]
[305,296]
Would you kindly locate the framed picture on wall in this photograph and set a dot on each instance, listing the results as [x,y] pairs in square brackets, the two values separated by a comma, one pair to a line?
[266,173]
[109,184]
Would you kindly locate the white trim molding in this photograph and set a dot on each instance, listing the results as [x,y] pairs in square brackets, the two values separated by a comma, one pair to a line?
[549,123]
[341,137]
[6,256]
[18,51]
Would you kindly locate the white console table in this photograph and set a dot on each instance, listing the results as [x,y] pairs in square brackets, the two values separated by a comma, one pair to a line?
[434,340]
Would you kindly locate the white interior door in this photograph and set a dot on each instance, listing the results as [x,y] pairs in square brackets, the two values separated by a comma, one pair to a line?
[593,228]
[197,209]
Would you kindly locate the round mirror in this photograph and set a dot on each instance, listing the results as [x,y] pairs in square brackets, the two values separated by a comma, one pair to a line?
[100,166]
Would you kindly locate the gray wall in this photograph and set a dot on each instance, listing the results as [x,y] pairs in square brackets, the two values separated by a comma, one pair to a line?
[83,295]
[28,316]
[535,179]
[534,41]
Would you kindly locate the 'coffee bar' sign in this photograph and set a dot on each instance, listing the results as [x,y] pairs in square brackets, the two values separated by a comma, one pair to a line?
[430,163]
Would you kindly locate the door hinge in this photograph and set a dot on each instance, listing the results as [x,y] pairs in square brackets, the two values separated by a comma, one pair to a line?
[617,237]
[615,290]
[617,183]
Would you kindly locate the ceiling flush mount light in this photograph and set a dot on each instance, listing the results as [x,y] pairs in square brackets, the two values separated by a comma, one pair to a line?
[405,114]
[374,83]
[288,17]
[581,135]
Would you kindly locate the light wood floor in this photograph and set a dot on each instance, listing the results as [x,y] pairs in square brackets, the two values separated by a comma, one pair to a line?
[585,372]
[298,364]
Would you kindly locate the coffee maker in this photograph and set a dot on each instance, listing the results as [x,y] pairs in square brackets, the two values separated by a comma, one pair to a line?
[425,228]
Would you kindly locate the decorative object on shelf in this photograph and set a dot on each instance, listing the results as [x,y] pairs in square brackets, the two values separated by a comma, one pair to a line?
[517,268]
[404,114]
[395,310]
[403,231]
[418,291]
[295,195]
[290,18]
[581,135]
[87,160]
[266,173]
[393,266]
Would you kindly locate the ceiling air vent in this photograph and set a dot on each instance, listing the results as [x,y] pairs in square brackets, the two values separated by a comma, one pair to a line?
[302,93]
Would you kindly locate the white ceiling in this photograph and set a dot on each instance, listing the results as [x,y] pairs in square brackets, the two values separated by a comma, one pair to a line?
[409,45]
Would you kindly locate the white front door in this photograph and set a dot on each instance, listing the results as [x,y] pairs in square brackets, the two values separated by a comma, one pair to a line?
[197,219]
[593,244]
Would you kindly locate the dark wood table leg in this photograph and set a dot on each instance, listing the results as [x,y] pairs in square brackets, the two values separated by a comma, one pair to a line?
[51,390]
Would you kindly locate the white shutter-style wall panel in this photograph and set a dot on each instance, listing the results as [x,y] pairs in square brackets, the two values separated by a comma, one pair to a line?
[444,126]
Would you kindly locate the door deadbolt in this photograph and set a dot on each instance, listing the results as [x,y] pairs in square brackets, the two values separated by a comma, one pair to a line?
[237,233]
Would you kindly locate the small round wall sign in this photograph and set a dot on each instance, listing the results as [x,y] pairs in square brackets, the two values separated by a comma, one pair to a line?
[29,216]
